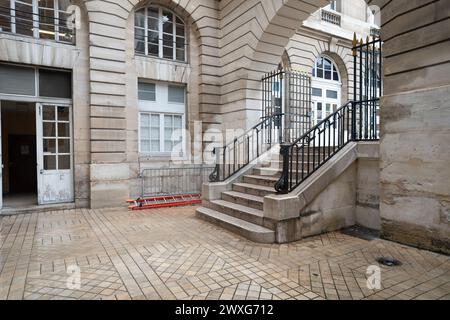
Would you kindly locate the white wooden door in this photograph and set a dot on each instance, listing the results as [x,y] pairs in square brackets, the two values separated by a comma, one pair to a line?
[54,153]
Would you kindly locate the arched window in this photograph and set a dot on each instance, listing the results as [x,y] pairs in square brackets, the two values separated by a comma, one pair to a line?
[324,68]
[158,32]
[326,89]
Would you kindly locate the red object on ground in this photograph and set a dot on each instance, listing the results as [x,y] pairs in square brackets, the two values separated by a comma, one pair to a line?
[164,201]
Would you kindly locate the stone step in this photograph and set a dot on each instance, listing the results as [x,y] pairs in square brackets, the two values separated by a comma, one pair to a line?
[253,189]
[278,157]
[279,163]
[247,200]
[267,181]
[246,229]
[239,211]
[271,172]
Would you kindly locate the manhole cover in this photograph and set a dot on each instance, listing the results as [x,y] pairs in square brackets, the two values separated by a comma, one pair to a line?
[389,262]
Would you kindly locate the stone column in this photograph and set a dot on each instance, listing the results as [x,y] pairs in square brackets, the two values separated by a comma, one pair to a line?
[107,35]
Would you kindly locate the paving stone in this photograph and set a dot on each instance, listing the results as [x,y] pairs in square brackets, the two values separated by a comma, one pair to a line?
[169,254]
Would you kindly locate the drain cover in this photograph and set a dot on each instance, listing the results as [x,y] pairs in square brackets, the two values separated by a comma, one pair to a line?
[389,262]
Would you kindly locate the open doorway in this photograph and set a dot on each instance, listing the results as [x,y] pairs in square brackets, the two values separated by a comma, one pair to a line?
[19,157]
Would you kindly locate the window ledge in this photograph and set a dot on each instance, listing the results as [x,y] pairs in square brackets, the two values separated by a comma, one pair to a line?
[163,60]
[31,39]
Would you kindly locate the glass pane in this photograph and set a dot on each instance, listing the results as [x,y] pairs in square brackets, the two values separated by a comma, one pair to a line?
[139,47]
[63,145]
[153,12]
[180,30]
[63,129]
[176,94]
[145,145]
[139,18]
[335,76]
[168,132]
[5,16]
[145,133]
[64,162]
[168,52]
[49,129]
[49,162]
[319,106]
[48,113]
[167,121]
[327,64]
[168,27]
[181,55]
[168,40]
[319,73]
[24,18]
[139,34]
[144,120]
[155,146]
[180,43]
[63,114]
[153,37]
[153,50]
[317,92]
[328,75]
[155,133]
[167,16]
[46,23]
[17,80]
[49,145]
[56,84]
[320,63]
[155,120]
[147,91]
[178,20]
[177,122]
[168,146]
[332,94]
[153,24]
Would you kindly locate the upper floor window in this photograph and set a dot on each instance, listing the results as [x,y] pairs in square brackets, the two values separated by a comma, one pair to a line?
[335,5]
[44,19]
[324,68]
[160,33]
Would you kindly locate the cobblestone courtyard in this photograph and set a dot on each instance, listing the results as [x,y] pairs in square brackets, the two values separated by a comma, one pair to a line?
[169,254]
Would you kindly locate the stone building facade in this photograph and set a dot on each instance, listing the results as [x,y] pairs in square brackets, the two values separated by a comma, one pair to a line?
[228,46]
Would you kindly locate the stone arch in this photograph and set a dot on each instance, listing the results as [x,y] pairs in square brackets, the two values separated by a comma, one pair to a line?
[279,24]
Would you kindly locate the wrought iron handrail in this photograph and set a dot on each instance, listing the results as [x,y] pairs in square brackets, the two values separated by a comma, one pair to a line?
[247,147]
[357,120]
[308,153]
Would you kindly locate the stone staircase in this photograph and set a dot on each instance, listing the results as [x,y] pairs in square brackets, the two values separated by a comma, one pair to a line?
[240,209]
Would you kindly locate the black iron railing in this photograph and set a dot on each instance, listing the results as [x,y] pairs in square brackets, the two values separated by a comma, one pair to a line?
[249,146]
[355,121]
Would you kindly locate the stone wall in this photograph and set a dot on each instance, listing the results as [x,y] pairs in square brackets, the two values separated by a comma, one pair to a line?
[415,117]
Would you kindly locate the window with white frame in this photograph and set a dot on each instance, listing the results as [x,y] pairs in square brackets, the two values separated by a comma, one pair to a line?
[326,89]
[335,5]
[161,118]
[44,19]
[325,69]
[160,33]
